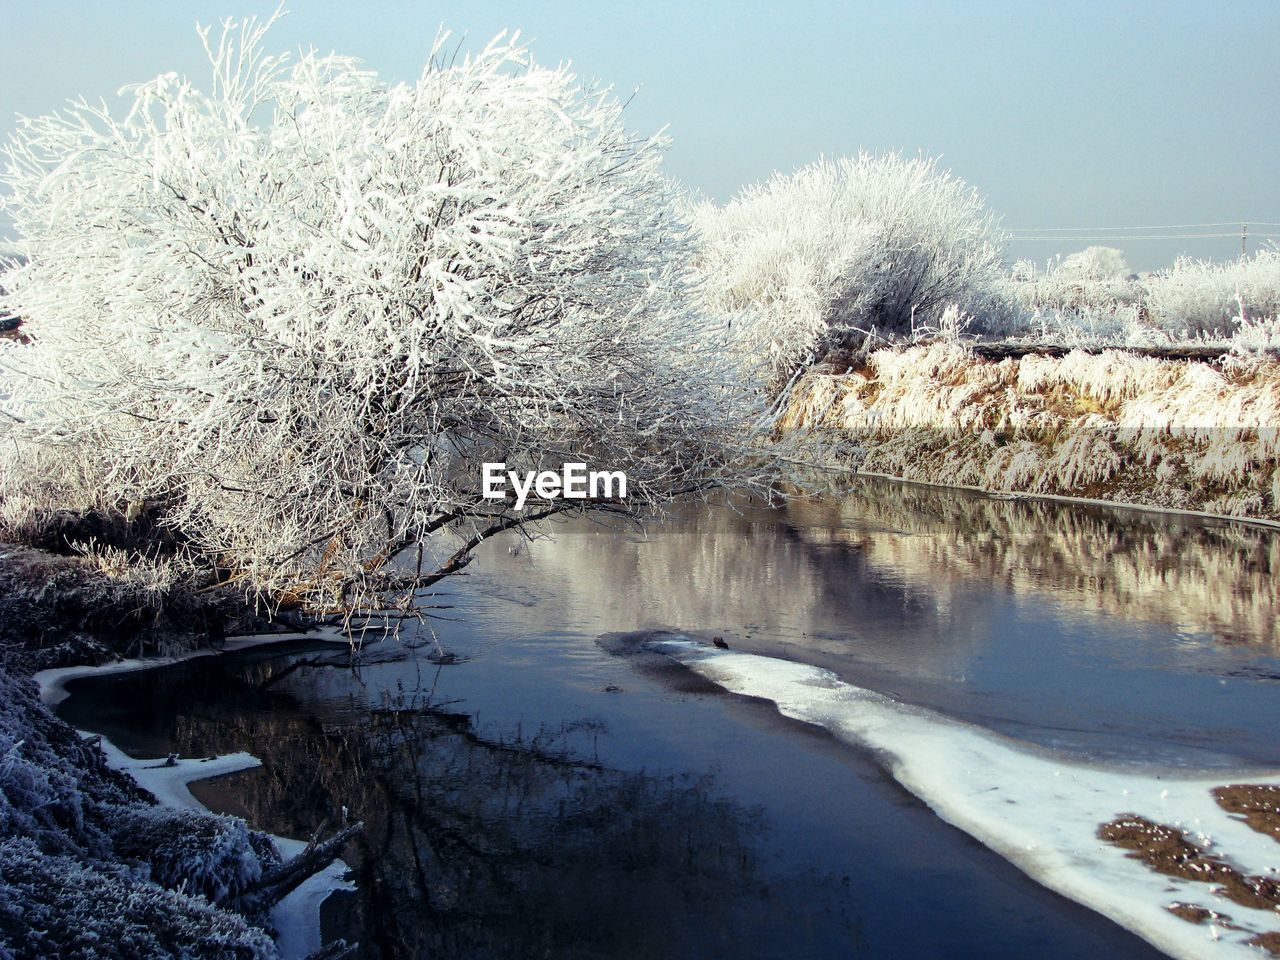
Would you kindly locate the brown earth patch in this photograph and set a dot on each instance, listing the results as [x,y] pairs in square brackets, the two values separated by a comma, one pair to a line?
[1167,850]
[1269,942]
[1258,804]
[1190,912]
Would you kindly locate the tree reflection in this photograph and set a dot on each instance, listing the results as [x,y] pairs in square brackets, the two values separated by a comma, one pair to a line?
[872,556]
[488,847]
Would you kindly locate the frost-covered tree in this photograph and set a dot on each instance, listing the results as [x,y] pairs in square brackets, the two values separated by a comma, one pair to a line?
[1089,284]
[1095,263]
[843,249]
[293,313]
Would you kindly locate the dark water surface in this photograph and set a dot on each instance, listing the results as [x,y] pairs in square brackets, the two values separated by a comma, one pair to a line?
[541,797]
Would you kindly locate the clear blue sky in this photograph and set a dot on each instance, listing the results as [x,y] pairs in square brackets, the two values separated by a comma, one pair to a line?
[1091,114]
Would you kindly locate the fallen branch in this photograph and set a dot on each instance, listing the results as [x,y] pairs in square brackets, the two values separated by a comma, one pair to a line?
[338,950]
[277,884]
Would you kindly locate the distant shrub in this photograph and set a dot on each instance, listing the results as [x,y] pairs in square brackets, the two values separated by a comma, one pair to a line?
[1201,297]
[1095,263]
[847,249]
[1093,279]
[1088,297]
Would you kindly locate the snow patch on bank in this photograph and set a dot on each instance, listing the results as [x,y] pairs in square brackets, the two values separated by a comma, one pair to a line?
[296,918]
[169,782]
[1032,806]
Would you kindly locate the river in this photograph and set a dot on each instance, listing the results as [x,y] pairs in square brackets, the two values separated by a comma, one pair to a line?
[907,653]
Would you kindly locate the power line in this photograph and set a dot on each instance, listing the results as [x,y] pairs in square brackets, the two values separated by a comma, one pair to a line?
[1166,226]
[1143,236]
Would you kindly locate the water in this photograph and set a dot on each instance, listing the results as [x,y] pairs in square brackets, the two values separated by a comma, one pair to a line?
[543,796]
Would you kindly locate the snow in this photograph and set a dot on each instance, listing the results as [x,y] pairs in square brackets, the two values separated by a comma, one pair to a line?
[1036,808]
[296,918]
[169,783]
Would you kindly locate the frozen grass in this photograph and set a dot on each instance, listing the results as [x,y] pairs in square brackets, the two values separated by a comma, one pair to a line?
[1089,299]
[1206,298]
[59,906]
[102,604]
[90,868]
[1112,425]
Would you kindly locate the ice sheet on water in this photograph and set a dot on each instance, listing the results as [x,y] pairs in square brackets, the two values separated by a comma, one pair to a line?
[1036,808]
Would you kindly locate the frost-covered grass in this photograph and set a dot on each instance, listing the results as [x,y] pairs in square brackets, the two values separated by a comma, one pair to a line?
[59,906]
[1113,425]
[1090,299]
[1206,298]
[90,867]
[58,610]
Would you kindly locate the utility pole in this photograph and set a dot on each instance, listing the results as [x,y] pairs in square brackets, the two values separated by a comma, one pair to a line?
[1244,240]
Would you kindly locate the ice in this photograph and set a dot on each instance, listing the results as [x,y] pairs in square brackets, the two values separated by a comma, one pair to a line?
[53,682]
[1036,808]
[296,917]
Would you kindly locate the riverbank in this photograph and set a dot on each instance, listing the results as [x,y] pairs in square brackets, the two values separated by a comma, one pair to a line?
[104,855]
[1182,434]
[92,865]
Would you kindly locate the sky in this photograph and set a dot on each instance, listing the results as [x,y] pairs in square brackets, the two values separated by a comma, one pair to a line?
[1094,115]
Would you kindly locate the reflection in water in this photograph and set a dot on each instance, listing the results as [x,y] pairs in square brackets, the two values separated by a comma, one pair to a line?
[1122,636]
[871,550]
[1101,630]
[483,847]
[1205,577]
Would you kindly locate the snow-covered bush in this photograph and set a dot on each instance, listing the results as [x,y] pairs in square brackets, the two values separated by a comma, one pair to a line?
[1202,297]
[213,857]
[847,248]
[1094,280]
[1088,299]
[294,313]
[1256,335]
[1095,263]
